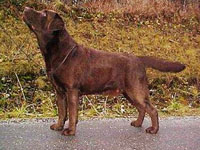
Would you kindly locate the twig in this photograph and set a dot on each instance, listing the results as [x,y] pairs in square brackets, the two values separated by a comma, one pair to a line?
[21,88]
[105,104]
[92,105]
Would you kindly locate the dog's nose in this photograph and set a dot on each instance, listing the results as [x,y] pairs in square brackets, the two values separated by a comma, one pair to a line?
[26,9]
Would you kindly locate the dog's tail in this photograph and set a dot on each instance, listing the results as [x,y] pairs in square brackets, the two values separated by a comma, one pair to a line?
[161,64]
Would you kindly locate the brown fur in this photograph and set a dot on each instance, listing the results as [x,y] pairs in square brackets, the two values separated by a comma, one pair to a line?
[75,70]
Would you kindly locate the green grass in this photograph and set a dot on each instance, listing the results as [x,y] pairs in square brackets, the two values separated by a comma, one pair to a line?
[172,94]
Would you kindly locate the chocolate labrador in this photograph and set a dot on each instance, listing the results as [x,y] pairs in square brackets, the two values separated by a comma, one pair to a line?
[75,70]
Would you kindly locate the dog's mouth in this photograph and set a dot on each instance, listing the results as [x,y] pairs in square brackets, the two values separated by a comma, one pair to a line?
[31,27]
[26,20]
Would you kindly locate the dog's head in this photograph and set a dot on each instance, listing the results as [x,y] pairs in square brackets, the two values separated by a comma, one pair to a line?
[42,21]
[46,25]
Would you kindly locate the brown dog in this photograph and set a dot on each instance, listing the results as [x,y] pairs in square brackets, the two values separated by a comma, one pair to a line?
[75,70]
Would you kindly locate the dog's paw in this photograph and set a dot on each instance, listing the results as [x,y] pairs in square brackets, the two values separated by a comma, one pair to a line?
[152,130]
[68,132]
[56,127]
[136,124]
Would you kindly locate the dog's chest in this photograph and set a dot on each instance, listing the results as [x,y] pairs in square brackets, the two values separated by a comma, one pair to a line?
[56,82]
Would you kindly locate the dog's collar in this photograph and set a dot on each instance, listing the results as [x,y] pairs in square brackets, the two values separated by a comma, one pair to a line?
[62,62]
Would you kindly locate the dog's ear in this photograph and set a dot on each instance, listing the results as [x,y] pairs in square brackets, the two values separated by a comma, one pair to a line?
[56,24]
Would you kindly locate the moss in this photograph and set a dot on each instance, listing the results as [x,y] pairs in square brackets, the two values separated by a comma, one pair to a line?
[41,82]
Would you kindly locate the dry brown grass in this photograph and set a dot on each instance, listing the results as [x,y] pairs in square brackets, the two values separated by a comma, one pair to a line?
[162,9]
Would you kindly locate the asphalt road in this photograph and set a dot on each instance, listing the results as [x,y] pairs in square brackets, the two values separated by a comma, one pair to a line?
[107,134]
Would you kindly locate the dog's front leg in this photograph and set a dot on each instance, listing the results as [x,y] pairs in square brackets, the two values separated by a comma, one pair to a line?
[62,111]
[73,100]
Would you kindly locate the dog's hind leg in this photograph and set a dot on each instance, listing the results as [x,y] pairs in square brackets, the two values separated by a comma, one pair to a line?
[141,115]
[138,95]
[62,111]
[150,109]
[141,111]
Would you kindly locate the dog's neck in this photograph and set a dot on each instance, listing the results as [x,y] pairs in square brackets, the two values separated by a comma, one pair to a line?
[57,48]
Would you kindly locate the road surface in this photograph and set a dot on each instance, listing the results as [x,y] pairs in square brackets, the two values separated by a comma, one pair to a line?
[106,134]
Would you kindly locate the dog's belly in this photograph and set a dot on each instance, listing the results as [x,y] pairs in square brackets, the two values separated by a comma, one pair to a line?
[113,92]
[110,87]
